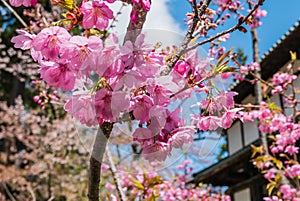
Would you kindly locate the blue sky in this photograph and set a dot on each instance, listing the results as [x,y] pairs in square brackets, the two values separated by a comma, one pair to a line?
[281,16]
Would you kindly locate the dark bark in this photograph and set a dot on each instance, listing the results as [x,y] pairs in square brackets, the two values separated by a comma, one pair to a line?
[96,159]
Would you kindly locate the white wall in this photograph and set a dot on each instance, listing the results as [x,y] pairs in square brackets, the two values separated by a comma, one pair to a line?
[234,138]
[276,99]
[250,132]
[243,195]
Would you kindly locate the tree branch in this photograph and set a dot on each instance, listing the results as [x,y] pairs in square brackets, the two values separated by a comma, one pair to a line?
[257,88]
[96,159]
[115,175]
[135,28]
[104,131]
[188,37]
[14,13]
[8,192]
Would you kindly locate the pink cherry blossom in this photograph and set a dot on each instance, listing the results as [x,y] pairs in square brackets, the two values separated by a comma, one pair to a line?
[206,123]
[287,191]
[23,40]
[50,40]
[173,119]
[145,4]
[82,107]
[293,171]
[142,135]
[141,106]
[225,99]
[103,106]
[108,63]
[246,117]
[158,118]
[181,67]
[228,117]
[133,53]
[160,94]
[157,151]
[258,14]
[134,15]
[181,136]
[110,186]
[82,53]
[58,75]
[291,150]
[271,173]
[283,79]
[119,103]
[96,13]
[25,3]
[273,198]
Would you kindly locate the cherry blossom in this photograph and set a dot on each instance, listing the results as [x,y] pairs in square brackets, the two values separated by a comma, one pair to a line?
[58,75]
[50,40]
[96,13]
[145,4]
[81,52]
[25,3]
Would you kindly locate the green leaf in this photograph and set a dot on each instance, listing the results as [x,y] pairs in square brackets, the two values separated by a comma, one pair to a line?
[152,197]
[271,187]
[273,107]
[272,137]
[255,150]
[277,162]
[293,56]
[155,181]
[220,60]
[225,69]
[137,184]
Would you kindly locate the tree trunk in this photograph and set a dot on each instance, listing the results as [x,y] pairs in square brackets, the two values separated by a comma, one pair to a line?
[96,159]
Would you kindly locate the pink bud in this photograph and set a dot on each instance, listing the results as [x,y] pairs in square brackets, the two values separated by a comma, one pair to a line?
[36,98]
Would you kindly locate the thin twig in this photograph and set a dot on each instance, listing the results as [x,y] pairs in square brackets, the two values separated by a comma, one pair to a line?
[115,19]
[197,83]
[14,12]
[8,192]
[115,175]
[188,37]
[247,106]
[31,193]
[240,22]
[269,85]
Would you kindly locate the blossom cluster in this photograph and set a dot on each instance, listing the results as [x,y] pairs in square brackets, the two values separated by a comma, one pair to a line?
[213,106]
[281,81]
[25,3]
[108,79]
[143,186]
[282,164]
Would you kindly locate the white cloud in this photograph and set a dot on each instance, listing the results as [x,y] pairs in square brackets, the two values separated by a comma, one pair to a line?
[159,26]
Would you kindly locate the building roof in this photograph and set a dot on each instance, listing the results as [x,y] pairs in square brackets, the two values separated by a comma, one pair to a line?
[235,168]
